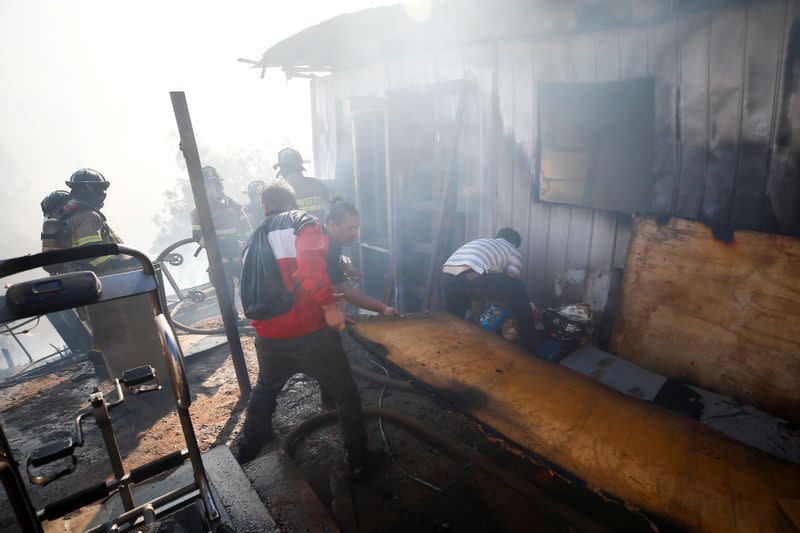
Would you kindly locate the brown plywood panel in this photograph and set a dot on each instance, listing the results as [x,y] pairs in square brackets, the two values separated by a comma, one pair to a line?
[647,456]
[720,315]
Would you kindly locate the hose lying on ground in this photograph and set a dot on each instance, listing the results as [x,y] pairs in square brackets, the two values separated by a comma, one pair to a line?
[463,452]
[382,380]
[190,329]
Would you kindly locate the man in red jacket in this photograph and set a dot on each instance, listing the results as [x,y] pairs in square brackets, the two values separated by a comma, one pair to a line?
[302,337]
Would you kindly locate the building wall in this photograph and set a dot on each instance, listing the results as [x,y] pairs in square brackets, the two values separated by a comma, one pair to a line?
[720,95]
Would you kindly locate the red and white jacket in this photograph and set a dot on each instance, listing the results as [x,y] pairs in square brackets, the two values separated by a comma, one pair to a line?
[300,250]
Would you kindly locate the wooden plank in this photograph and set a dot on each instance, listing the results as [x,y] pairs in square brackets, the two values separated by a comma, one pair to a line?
[720,315]
[726,71]
[648,457]
[757,117]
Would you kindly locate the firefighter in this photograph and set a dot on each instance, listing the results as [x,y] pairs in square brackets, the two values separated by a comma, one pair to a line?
[73,219]
[231,225]
[313,196]
[253,210]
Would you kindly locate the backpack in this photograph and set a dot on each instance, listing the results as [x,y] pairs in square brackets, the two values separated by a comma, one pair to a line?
[264,295]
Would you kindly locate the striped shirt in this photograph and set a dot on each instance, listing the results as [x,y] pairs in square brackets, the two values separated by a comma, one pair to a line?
[488,255]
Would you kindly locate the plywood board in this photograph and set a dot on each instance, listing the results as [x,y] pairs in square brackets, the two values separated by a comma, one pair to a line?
[720,315]
[639,452]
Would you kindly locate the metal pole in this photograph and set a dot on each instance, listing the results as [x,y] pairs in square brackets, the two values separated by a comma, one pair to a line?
[9,360]
[11,332]
[101,417]
[226,304]
[16,491]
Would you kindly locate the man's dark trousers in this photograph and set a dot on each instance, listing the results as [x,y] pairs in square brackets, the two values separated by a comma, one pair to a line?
[460,290]
[319,355]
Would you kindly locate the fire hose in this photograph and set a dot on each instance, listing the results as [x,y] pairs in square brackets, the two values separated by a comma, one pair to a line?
[188,329]
[465,453]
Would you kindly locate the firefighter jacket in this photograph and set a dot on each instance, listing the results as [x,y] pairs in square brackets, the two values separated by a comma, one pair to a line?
[83,226]
[232,228]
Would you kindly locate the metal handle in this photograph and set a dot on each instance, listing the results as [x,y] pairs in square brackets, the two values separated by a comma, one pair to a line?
[16,265]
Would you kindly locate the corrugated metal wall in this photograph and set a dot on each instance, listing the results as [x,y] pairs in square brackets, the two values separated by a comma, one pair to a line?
[718,83]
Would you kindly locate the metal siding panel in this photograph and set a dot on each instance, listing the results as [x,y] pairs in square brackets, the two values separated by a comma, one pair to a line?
[488,85]
[760,73]
[505,135]
[588,55]
[478,66]
[524,126]
[578,248]
[781,207]
[727,52]
[601,258]
[556,254]
[633,54]
[555,66]
[622,240]
[607,58]
[694,41]
[539,217]
[662,64]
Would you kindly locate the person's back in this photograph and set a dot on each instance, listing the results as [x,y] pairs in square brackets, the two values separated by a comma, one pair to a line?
[124,333]
[297,322]
[313,196]
[488,270]
[487,255]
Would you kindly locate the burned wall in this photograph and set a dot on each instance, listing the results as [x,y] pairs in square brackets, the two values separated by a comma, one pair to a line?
[725,81]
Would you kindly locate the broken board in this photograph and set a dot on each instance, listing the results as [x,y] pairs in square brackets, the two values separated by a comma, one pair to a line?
[636,451]
[720,315]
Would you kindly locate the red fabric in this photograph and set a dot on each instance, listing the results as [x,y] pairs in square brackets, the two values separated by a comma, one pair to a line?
[309,273]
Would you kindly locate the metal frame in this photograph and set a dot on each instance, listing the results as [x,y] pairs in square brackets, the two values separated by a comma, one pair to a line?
[354,116]
[114,286]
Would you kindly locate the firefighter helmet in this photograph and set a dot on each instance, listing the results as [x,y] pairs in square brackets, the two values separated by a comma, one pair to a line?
[289,160]
[88,178]
[254,188]
[54,201]
[211,174]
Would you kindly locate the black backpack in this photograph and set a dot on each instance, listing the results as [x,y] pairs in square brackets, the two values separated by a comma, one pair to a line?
[263,292]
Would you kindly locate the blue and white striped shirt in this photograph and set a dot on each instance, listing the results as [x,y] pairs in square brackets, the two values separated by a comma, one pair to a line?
[488,255]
